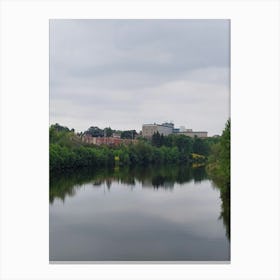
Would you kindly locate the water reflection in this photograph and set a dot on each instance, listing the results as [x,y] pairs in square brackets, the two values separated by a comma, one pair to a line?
[225,206]
[153,213]
[63,185]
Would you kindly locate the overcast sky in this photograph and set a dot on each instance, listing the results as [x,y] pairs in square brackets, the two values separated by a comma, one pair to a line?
[123,73]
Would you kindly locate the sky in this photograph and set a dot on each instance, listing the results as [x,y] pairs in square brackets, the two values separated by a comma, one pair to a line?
[124,73]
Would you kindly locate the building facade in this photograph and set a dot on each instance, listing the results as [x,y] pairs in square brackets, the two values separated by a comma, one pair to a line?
[109,141]
[192,134]
[148,130]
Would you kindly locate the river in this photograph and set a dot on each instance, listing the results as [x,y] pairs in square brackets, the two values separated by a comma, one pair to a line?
[163,213]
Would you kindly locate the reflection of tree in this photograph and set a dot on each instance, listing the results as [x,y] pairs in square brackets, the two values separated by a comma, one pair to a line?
[225,206]
[225,213]
[158,181]
[218,169]
[199,174]
[128,181]
[108,183]
[156,177]
[62,185]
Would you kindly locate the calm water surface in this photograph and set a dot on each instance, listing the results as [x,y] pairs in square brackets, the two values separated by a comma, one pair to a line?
[166,213]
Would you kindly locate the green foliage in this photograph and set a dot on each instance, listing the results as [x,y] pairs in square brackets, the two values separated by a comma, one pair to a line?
[60,128]
[185,145]
[128,134]
[68,151]
[200,146]
[225,150]
[157,139]
[218,169]
[63,136]
[62,157]
[219,159]
[95,131]
[108,131]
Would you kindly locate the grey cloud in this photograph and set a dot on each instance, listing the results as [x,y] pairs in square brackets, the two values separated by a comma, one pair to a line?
[106,46]
[102,71]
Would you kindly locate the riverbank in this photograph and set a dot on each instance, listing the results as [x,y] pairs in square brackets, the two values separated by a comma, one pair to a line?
[218,170]
[67,151]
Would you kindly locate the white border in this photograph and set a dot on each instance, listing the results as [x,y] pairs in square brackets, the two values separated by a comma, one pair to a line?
[255,138]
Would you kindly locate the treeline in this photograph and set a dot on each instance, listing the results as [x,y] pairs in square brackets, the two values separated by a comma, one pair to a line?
[184,143]
[95,131]
[218,169]
[219,158]
[68,151]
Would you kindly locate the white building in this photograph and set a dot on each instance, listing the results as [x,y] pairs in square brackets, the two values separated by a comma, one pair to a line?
[165,129]
[192,134]
[182,129]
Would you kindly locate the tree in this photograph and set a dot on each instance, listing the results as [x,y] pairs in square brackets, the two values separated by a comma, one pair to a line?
[225,150]
[108,131]
[128,134]
[219,159]
[60,128]
[200,146]
[95,131]
[156,139]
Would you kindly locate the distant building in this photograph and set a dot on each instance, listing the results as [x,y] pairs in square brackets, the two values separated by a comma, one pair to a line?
[182,129]
[148,130]
[116,135]
[109,141]
[165,129]
[192,134]
[87,139]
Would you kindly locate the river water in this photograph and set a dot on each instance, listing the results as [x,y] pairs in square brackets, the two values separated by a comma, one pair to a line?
[168,213]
